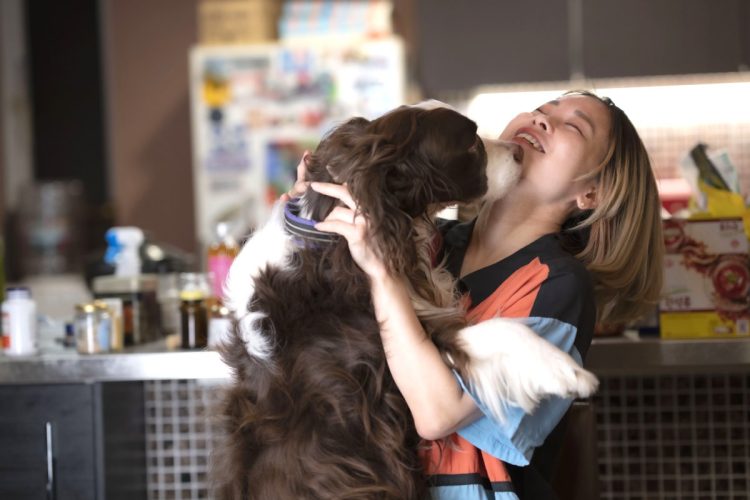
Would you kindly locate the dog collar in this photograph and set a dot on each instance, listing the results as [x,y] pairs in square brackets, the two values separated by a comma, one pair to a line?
[302,228]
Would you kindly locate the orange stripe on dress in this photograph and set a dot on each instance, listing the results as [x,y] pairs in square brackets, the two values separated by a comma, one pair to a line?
[515,297]
[458,456]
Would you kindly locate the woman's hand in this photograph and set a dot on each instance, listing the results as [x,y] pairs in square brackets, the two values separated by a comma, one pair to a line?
[352,225]
[300,185]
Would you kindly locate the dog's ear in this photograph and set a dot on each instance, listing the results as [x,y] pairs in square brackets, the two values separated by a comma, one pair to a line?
[329,161]
[354,154]
[375,182]
[405,162]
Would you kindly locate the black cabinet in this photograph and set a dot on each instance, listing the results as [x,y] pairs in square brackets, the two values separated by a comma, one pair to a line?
[460,45]
[72,441]
[661,37]
[24,416]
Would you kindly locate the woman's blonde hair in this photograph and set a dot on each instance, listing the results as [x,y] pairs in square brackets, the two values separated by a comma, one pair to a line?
[624,248]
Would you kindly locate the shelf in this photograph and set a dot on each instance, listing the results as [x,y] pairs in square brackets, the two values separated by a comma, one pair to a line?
[633,356]
[606,357]
[72,367]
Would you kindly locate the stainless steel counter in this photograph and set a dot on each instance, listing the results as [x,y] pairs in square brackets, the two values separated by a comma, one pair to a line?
[632,356]
[615,356]
[145,363]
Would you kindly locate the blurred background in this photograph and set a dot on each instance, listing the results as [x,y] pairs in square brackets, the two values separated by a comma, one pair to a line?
[141,141]
[104,96]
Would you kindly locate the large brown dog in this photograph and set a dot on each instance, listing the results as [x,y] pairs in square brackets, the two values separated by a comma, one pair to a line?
[313,411]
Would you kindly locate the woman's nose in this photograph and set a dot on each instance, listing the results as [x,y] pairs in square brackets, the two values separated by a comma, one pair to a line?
[542,121]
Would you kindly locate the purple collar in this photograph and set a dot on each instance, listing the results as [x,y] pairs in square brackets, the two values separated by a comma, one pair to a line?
[301,228]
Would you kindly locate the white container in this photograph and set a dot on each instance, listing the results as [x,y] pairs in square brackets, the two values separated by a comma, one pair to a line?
[19,322]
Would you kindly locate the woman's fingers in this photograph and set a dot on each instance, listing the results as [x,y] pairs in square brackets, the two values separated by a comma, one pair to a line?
[344,214]
[300,185]
[345,229]
[345,222]
[302,167]
[352,225]
[339,191]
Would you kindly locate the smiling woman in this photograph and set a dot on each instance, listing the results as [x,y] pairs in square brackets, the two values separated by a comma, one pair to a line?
[577,240]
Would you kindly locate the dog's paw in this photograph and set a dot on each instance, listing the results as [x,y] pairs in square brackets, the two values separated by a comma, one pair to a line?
[560,375]
[510,365]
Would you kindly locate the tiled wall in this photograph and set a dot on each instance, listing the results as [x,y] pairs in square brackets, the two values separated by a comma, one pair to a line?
[678,437]
[667,146]
[674,437]
[179,437]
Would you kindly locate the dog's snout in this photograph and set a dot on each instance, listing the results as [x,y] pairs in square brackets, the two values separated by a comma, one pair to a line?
[517,151]
[504,147]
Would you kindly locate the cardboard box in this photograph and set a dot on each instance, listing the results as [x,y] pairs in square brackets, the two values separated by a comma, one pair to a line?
[228,22]
[706,279]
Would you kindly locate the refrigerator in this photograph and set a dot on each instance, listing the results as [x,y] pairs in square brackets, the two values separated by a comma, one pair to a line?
[256,108]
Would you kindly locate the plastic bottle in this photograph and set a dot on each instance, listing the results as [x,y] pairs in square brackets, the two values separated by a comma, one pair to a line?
[19,322]
[124,250]
[221,254]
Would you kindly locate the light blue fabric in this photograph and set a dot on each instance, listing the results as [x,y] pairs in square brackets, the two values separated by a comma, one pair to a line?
[514,441]
[469,491]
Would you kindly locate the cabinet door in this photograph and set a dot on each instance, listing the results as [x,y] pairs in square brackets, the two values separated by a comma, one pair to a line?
[24,411]
[661,37]
[464,44]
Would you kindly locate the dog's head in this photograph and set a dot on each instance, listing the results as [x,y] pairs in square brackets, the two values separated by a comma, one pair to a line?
[402,165]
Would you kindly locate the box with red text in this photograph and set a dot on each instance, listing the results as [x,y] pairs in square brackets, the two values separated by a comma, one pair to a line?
[706,279]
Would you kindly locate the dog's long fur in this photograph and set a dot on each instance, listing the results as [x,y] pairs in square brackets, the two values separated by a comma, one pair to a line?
[313,411]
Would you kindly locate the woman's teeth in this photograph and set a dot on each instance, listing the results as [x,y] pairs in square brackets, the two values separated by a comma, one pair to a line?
[530,139]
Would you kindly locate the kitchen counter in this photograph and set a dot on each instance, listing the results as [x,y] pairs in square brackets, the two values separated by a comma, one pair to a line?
[148,362]
[630,355]
[608,356]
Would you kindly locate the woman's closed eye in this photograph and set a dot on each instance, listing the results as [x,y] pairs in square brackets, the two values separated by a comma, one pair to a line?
[575,127]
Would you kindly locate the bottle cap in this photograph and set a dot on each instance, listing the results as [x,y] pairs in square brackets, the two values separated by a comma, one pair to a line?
[222,230]
[192,295]
[86,307]
[17,292]
[101,305]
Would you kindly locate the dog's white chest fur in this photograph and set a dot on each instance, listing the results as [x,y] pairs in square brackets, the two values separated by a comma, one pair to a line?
[269,246]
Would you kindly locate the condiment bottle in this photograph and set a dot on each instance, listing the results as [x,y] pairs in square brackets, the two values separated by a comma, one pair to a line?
[193,312]
[219,325]
[221,254]
[19,322]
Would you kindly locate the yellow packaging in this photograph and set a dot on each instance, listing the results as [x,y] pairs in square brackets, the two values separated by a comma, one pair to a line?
[706,279]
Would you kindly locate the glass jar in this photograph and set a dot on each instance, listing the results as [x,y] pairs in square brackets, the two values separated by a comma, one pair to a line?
[219,325]
[85,326]
[193,310]
[104,325]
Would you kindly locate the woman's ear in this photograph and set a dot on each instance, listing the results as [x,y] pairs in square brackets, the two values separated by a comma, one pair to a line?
[587,200]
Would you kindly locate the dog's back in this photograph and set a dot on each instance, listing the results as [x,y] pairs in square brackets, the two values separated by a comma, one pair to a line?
[318,415]
[324,418]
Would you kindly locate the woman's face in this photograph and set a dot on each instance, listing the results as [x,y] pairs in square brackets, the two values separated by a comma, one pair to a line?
[562,140]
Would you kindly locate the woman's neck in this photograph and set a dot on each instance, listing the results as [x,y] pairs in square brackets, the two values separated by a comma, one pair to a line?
[506,226]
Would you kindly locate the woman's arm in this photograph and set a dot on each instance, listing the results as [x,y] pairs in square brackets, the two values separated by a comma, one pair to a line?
[437,403]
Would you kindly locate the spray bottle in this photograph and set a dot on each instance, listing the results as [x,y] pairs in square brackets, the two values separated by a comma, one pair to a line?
[141,318]
[123,251]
